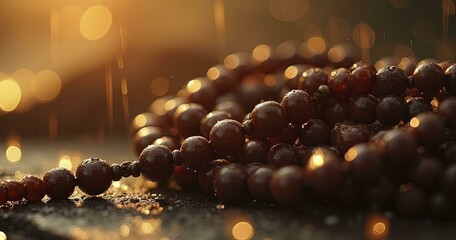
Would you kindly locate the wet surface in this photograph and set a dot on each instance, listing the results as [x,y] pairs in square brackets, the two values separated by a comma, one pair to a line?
[136,209]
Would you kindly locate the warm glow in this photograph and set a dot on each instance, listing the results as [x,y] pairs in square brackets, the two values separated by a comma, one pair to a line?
[140,120]
[3,236]
[170,104]
[351,154]
[316,44]
[414,122]
[158,107]
[448,7]
[10,95]
[261,52]
[379,228]
[13,154]
[124,230]
[65,162]
[243,231]
[95,22]
[317,159]
[270,80]
[288,10]
[213,73]
[435,102]
[48,85]
[231,61]
[336,54]
[194,85]
[159,86]
[363,36]
[149,227]
[291,72]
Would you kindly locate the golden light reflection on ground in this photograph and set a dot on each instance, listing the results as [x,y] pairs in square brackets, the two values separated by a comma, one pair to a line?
[243,231]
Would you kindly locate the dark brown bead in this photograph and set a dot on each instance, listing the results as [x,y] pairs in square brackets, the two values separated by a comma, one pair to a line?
[187,119]
[195,152]
[252,167]
[292,75]
[185,178]
[227,137]
[447,110]
[253,151]
[391,110]
[288,53]
[146,136]
[390,80]
[283,154]
[428,128]
[366,164]
[338,82]
[411,201]
[222,78]
[177,158]
[426,173]
[60,183]
[362,79]
[203,92]
[169,142]
[116,173]
[206,176]
[265,58]
[429,78]
[35,188]
[314,132]
[450,81]
[155,163]
[230,184]
[441,207]
[171,107]
[298,105]
[287,185]
[288,135]
[446,152]
[311,79]
[258,184]
[336,111]
[382,194]
[236,111]
[251,92]
[15,190]
[448,182]
[269,118]
[3,193]
[399,147]
[345,135]
[125,169]
[94,176]
[363,108]
[240,63]
[147,120]
[417,105]
[210,120]
[363,63]
[135,170]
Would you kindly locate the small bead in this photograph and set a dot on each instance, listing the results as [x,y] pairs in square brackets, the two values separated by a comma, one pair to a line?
[227,137]
[362,79]
[428,128]
[390,80]
[323,171]
[203,92]
[417,105]
[429,78]
[135,170]
[298,105]
[236,111]
[314,132]
[125,169]
[115,170]
[339,83]
[15,190]
[410,84]
[292,75]
[336,111]
[223,79]
[187,119]
[60,183]
[3,193]
[177,158]
[258,184]
[35,188]
[252,167]
[426,173]
[155,163]
[206,176]
[269,118]
[248,127]
[450,81]
[287,185]
[210,120]
[288,135]
[185,178]
[94,176]
[366,164]
[363,108]
[253,151]
[169,142]
[363,63]
[230,184]
[146,136]
[283,154]
[345,135]
[311,79]
[411,201]
[195,152]
[391,110]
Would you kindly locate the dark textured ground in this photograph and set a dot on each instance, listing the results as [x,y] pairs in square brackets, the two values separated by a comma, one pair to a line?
[148,212]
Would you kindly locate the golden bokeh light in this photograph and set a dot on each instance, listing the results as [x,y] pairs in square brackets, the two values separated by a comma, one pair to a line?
[140,120]
[351,154]
[316,45]
[65,162]
[213,73]
[399,4]
[231,61]
[291,72]
[170,104]
[158,107]
[95,22]
[363,36]
[10,95]
[48,85]
[261,52]
[270,80]
[26,80]
[194,85]
[336,54]
[414,122]
[288,10]
[159,86]
[378,228]
[243,231]
[124,230]
[3,236]
[13,154]
[317,159]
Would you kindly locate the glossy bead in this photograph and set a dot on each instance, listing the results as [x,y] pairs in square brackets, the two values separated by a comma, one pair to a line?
[448,182]
[450,80]
[426,173]
[269,118]
[253,151]
[288,135]
[345,135]
[155,163]
[35,188]
[3,193]
[59,182]
[169,142]
[236,111]
[298,105]
[187,119]
[230,184]
[202,92]
[146,120]
[210,120]
[195,152]
[441,207]
[417,105]
[363,63]
[336,111]
[206,175]
[314,132]
[447,110]
[94,176]
[390,80]
[171,106]
[338,82]
[366,164]
[411,201]
[428,128]
[227,137]
[292,75]
[363,108]
[15,190]
[146,136]
[362,79]
[116,173]
[258,184]
[429,78]
[283,154]
[391,110]
[399,147]
[185,178]
[287,185]
[323,171]
[223,79]
[311,79]
[252,167]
